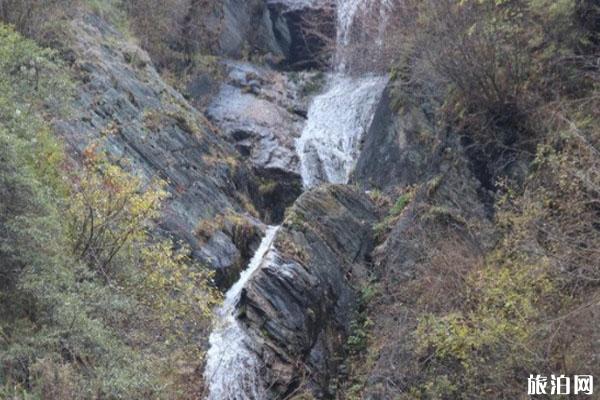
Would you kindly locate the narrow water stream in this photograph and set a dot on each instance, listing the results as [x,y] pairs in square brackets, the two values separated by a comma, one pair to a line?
[232,368]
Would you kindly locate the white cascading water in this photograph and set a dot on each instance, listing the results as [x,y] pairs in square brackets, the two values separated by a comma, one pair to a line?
[337,120]
[328,149]
[232,369]
[346,11]
[339,117]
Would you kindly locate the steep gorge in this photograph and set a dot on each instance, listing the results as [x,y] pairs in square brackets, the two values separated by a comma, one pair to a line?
[284,324]
[377,227]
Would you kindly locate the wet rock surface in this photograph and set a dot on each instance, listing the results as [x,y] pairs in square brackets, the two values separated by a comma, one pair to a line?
[148,127]
[299,304]
[261,112]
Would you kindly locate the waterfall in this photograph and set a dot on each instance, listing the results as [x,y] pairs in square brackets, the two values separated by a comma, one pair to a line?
[337,120]
[339,117]
[328,149]
[346,12]
[232,369]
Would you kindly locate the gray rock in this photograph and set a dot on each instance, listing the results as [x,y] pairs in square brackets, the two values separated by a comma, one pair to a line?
[152,130]
[262,113]
[299,304]
[255,108]
[395,151]
[272,30]
[247,25]
[303,48]
[296,4]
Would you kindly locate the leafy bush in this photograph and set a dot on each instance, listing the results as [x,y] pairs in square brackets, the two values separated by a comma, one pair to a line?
[32,16]
[174,32]
[92,305]
[394,213]
[524,308]
[517,81]
[490,69]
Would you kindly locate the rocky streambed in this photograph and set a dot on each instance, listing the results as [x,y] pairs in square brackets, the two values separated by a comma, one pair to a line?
[267,168]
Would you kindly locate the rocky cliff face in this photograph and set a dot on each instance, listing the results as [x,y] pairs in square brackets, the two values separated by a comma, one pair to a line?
[299,304]
[304,28]
[397,147]
[246,25]
[147,126]
[274,29]
[262,112]
[446,222]
[229,153]
[235,167]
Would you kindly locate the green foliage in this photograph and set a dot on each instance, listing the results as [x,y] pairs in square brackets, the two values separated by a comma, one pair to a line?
[515,80]
[492,65]
[267,187]
[314,84]
[42,20]
[527,307]
[32,17]
[481,347]
[33,81]
[361,326]
[175,33]
[358,339]
[294,219]
[383,227]
[91,304]
[400,204]
[110,10]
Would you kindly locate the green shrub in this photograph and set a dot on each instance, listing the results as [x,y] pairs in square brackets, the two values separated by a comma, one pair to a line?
[524,309]
[490,69]
[382,228]
[92,305]
[514,79]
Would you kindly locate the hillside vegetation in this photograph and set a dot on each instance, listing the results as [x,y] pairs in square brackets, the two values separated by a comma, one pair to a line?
[96,302]
[92,304]
[517,83]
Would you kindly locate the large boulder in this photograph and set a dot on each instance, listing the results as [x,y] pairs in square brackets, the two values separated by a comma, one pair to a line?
[299,304]
[262,112]
[148,127]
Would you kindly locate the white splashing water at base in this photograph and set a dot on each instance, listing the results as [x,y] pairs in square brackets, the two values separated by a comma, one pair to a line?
[232,369]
